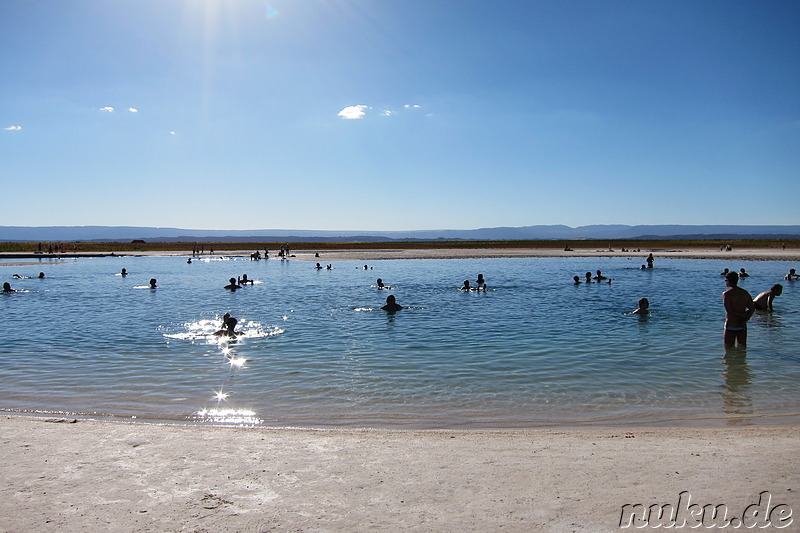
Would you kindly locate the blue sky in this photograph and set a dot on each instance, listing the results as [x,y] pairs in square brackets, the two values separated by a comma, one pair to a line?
[399,115]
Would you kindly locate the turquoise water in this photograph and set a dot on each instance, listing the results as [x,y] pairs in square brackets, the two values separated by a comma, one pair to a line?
[533,350]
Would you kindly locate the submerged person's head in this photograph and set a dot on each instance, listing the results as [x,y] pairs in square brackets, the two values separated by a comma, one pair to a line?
[41,274]
[6,287]
[644,303]
[153,282]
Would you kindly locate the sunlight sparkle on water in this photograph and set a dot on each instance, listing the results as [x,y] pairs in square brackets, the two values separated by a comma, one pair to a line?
[219,395]
[230,416]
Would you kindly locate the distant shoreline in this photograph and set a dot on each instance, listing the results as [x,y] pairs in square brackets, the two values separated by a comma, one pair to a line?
[380,251]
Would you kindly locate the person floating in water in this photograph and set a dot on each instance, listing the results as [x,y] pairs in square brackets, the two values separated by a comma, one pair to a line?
[123,273]
[739,308]
[480,281]
[577,280]
[600,276]
[380,283]
[792,275]
[245,280]
[644,307]
[391,304]
[743,274]
[725,273]
[588,277]
[18,276]
[650,261]
[763,302]
[232,286]
[153,283]
[189,261]
[7,287]
[465,286]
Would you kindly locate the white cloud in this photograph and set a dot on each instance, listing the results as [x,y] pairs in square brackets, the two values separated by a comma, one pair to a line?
[172,133]
[133,110]
[388,113]
[410,106]
[108,109]
[353,112]
[13,128]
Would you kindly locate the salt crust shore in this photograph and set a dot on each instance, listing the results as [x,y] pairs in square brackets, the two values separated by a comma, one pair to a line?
[738,254]
[64,476]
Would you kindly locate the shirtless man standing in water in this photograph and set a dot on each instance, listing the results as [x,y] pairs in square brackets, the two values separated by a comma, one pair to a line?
[739,308]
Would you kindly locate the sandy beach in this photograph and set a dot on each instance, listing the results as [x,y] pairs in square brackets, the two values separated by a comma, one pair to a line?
[90,475]
[84,475]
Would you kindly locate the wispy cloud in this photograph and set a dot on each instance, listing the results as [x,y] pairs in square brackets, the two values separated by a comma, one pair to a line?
[13,128]
[388,113]
[107,109]
[133,110]
[354,112]
[411,106]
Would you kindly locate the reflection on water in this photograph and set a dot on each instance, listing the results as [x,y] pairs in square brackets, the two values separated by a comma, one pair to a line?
[735,390]
[316,349]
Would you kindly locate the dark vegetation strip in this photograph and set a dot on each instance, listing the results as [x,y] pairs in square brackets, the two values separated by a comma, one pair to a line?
[273,247]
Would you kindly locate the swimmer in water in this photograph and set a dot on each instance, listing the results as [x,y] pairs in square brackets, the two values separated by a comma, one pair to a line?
[228,327]
[318,267]
[380,283]
[153,283]
[644,307]
[245,280]
[465,286]
[41,275]
[743,274]
[577,280]
[650,261]
[725,273]
[7,287]
[232,286]
[763,302]
[587,278]
[792,275]
[600,276]
[480,281]
[391,304]
[123,273]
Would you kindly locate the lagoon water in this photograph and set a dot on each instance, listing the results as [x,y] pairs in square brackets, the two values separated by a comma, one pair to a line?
[534,350]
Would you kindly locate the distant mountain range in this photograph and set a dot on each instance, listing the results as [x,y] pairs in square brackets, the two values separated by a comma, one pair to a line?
[551,232]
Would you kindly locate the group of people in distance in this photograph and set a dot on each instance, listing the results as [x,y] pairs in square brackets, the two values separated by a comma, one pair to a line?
[588,278]
[480,284]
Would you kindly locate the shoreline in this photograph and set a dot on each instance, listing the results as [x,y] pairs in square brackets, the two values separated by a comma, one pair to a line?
[375,254]
[62,475]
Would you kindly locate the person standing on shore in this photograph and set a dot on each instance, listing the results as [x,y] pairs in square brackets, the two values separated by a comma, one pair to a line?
[739,308]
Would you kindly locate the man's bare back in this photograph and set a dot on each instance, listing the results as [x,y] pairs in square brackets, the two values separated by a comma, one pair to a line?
[739,308]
